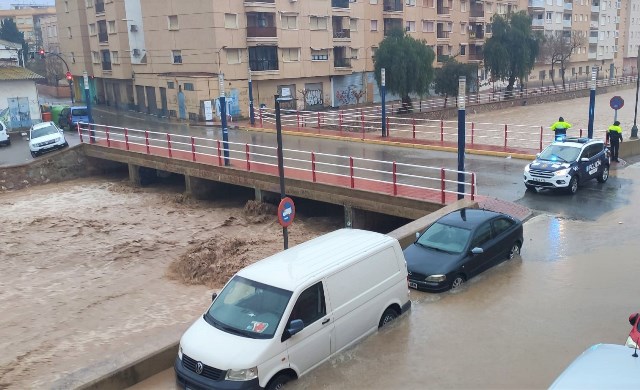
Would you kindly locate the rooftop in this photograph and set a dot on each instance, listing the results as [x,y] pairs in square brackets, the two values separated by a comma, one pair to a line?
[17,73]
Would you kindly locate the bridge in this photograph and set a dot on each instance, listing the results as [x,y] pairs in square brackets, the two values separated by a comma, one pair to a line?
[367,189]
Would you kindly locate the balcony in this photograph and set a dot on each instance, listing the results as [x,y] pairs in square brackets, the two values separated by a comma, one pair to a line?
[595,9]
[592,55]
[443,10]
[476,35]
[340,4]
[259,1]
[106,65]
[537,23]
[341,34]
[536,3]
[593,25]
[593,40]
[392,24]
[392,6]
[259,65]
[475,57]
[568,6]
[103,37]
[566,23]
[443,57]
[341,62]
[476,11]
[262,32]
[99,7]
[443,34]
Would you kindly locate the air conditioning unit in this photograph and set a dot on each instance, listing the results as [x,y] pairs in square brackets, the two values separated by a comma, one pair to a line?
[134,28]
[136,52]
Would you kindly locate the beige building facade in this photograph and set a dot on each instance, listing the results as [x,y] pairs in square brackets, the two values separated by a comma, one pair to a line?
[166,57]
[28,20]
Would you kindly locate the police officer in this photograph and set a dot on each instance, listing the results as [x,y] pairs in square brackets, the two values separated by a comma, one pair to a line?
[615,137]
[560,127]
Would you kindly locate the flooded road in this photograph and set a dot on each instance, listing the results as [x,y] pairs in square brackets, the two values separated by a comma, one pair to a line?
[516,326]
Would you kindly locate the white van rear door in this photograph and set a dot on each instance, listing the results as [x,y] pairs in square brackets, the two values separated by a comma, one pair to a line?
[312,345]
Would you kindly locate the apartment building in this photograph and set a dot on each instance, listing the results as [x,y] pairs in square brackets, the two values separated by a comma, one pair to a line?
[597,21]
[49,33]
[27,19]
[630,36]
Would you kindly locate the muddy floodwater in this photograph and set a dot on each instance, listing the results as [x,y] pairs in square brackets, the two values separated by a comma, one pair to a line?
[83,270]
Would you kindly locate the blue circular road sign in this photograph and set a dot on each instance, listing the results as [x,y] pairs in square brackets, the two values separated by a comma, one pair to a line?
[616,102]
[286,212]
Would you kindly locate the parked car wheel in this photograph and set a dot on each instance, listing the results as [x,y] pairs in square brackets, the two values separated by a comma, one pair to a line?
[604,175]
[34,154]
[457,282]
[573,185]
[530,187]
[278,382]
[66,144]
[515,250]
[388,316]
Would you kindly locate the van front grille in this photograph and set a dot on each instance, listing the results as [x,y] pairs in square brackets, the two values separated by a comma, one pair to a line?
[207,372]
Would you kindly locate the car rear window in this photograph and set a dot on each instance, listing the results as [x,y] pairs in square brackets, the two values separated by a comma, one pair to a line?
[79,112]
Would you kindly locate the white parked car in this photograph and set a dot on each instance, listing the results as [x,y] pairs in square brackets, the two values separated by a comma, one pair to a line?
[4,136]
[44,137]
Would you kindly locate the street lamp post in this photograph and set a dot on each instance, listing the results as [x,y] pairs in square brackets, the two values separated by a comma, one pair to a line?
[252,115]
[634,129]
[278,99]
[383,95]
[592,101]
[462,87]
[223,120]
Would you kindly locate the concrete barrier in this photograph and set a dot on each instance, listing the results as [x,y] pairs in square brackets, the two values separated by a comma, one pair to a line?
[629,148]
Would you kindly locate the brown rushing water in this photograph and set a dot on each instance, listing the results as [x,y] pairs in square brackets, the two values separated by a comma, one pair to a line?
[82,271]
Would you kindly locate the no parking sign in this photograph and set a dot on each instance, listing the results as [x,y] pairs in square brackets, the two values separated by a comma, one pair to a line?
[286,212]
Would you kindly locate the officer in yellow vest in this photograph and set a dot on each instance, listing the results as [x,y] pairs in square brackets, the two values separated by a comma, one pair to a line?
[560,127]
[615,137]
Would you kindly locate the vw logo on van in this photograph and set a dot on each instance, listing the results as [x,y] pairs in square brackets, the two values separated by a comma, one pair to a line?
[199,368]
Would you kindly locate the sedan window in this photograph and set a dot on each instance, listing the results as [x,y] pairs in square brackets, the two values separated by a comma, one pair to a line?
[445,238]
[483,234]
[501,225]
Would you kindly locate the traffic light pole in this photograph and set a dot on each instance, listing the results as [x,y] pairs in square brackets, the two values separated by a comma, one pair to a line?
[68,74]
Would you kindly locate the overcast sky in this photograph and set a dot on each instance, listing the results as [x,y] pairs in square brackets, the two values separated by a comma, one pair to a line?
[4,4]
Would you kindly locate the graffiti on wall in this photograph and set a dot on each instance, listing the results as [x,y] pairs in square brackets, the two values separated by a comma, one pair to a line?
[351,95]
[312,96]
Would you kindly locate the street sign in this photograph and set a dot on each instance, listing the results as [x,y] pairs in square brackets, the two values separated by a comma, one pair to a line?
[85,76]
[616,102]
[286,212]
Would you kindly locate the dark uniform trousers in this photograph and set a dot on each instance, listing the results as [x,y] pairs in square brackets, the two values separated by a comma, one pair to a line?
[614,140]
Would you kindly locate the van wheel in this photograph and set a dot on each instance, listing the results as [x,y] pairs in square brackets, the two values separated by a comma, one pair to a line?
[278,382]
[388,316]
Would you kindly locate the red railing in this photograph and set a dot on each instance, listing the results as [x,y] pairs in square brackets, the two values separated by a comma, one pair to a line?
[433,184]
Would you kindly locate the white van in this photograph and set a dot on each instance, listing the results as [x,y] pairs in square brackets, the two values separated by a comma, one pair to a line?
[602,366]
[280,317]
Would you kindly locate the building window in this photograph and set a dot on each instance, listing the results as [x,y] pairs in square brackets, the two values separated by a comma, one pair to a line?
[171,85]
[549,17]
[410,3]
[318,23]
[234,56]
[115,57]
[463,50]
[427,26]
[189,87]
[319,55]
[354,54]
[173,22]
[291,55]
[289,22]
[95,57]
[88,3]
[374,25]
[463,6]
[111,27]
[69,32]
[353,24]
[230,20]
[428,3]
[411,26]
[92,29]
[176,55]
[262,58]
[66,6]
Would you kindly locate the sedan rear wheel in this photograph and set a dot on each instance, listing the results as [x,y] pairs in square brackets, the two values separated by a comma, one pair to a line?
[515,250]
[457,282]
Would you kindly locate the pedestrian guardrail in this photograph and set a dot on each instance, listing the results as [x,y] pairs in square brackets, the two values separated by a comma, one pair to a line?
[433,184]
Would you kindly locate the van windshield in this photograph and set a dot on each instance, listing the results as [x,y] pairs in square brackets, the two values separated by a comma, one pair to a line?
[248,308]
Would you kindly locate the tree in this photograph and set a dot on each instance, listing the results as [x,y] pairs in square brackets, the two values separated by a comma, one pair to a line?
[446,78]
[9,32]
[408,63]
[54,70]
[511,51]
[557,49]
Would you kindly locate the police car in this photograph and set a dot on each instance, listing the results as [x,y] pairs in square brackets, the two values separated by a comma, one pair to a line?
[567,163]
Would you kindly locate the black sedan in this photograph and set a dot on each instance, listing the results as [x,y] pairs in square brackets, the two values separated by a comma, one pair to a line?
[461,245]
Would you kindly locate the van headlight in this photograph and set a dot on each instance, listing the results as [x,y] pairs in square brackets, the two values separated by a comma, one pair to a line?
[562,172]
[630,343]
[527,167]
[436,278]
[242,375]
[180,352]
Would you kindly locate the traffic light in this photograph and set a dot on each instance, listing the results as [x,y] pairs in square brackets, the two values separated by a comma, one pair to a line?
[69,76]
[41,53]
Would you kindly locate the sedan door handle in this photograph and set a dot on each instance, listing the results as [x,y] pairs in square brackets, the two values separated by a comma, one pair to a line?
[326,321]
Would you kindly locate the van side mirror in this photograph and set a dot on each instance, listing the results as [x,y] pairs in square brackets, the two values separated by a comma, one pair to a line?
[213,296]
[295,326]
[477,251]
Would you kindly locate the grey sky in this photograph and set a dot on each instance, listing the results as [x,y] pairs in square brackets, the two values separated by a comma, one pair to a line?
[4,4]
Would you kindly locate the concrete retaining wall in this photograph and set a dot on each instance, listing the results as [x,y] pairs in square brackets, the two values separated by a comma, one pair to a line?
[629,147]
[58,92]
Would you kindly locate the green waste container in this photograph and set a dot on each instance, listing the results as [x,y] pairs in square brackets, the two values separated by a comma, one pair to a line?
[55,112]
